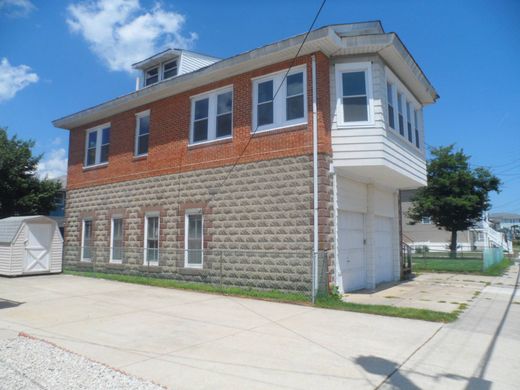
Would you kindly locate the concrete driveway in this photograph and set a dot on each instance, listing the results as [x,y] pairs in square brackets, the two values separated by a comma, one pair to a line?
[188,340]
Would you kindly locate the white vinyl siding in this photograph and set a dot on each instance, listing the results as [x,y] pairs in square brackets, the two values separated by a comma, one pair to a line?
[280,101]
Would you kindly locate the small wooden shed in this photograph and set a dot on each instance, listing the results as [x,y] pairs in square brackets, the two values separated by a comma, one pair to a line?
[30,245]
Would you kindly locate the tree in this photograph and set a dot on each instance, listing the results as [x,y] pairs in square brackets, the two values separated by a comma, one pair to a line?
[456,195]
[21,191]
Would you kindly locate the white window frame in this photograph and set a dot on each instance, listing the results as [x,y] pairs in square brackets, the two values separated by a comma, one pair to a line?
[347,68]
[138,116]
[112,218]
[145,246]
[212,114]
[414,106]
[409,108]
[187,214]
[82,258]
[99,140]
[280,100]
[145,74]
[163,70]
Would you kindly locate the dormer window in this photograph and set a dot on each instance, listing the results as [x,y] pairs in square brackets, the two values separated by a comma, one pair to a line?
[169,69]
[151,76]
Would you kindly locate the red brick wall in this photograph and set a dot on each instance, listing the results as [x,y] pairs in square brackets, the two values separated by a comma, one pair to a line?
[169,133]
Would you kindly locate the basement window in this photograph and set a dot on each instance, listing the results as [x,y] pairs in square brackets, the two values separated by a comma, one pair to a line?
[151,239]
[194,238]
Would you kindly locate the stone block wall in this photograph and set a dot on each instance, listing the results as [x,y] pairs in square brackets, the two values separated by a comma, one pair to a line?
[257,224]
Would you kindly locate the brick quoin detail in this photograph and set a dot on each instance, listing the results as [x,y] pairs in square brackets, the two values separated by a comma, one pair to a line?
[169,133]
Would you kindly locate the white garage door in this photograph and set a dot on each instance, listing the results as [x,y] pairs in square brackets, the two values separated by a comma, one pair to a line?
[384,249]
[351,250]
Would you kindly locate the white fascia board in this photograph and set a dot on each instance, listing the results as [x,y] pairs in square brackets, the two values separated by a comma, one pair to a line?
[236,65]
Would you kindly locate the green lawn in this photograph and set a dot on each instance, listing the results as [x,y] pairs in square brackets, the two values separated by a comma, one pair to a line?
[326,302]
[433,264]
[466,266]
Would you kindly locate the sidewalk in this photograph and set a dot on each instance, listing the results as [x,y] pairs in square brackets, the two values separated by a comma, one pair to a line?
[479,351]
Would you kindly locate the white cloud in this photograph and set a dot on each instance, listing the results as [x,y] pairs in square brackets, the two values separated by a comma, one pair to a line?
[14,79]
[122,32]
[16,8]
[55,165]
[57,141]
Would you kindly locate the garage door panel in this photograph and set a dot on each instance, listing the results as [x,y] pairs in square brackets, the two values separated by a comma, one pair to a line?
[351,250]
[383,249]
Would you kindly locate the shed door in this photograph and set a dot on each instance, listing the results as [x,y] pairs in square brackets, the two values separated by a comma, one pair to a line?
[383,249]
[351,250]
[37,248]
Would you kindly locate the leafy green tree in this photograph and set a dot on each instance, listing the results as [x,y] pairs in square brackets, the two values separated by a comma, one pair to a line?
[456,195]
[21,191]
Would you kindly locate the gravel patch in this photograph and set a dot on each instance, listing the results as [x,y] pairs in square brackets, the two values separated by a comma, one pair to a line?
[30,364]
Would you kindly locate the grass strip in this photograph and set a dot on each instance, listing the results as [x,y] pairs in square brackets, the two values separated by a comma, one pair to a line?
[331,302]
[193,286]
[462,266]
[326,302]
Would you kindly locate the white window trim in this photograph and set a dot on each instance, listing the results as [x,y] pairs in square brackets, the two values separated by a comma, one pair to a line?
[136,135]
[279,102]
[145,72]
[145,246]
[212,114]
[354,67]
[112,260]
[414,105]
[99,140]
[163,70]
[85,259]
[186,223]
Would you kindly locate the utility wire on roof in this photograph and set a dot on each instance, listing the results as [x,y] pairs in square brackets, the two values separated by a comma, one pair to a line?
[216,190]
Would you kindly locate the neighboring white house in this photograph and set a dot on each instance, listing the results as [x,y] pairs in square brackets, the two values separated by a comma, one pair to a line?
[30,245]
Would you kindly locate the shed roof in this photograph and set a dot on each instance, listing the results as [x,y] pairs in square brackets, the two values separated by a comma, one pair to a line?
[10,226]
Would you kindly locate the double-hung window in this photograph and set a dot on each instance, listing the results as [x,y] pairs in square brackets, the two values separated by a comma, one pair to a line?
[390,98]
[116,240]
[212,116]
[416,123]
[86,240]
[151,239]
[142,133]
[409,121]
[279,101]
[151,76]
[169,69]
[354,94]
[193,238]
[400,113]
[97,145]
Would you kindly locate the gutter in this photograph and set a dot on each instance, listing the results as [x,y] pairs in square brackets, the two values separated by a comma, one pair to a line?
[315,177]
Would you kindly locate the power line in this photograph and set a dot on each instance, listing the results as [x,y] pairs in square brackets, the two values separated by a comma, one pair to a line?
[215,191]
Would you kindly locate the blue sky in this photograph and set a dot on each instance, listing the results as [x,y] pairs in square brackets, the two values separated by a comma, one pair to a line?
[58,57]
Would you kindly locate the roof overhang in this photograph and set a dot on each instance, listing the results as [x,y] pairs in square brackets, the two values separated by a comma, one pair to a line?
[331,40]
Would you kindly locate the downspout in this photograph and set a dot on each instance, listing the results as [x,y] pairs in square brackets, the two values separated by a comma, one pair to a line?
[315,176]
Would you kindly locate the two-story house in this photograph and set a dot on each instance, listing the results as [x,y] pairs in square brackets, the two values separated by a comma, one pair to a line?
[260,152]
